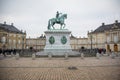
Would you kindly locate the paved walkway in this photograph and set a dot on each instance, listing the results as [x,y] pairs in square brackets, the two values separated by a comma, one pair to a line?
[89,68]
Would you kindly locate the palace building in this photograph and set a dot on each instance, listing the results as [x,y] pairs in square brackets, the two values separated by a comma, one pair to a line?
[36,43]
[106,36]
[11,37]
[78,43]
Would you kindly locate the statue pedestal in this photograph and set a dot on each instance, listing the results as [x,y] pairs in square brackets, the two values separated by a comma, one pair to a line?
[57,42]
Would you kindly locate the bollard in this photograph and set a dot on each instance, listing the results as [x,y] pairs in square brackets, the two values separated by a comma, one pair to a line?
[2,54]
[17,56]
[33,56]
[113,55]
[50,56]
[119,55]
[66,56]
[102,54]
[12,54]
[98,56]
[82,55]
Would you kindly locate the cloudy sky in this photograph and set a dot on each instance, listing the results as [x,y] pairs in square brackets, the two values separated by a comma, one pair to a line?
[83,15]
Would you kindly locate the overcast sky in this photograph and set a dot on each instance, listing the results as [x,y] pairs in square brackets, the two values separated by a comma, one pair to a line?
[83,15]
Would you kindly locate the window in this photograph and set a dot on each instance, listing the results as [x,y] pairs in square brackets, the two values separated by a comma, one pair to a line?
[9,41]
[3,39]
[108,38]
[115,38]
[19,42]
[14,41]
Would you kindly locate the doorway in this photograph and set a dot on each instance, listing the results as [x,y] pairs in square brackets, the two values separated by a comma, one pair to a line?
[115,47]
[108,47]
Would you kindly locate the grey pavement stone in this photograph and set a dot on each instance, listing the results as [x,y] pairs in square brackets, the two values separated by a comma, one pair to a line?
[57,69]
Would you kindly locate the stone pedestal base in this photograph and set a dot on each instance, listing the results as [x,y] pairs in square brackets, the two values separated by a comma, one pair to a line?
[57,44]
[61,43]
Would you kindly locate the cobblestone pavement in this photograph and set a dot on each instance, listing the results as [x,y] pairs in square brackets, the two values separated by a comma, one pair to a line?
[89,68]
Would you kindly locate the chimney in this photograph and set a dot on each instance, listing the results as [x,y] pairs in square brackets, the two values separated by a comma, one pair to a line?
[4,22]
[11,24]
[103,24]
[116,21]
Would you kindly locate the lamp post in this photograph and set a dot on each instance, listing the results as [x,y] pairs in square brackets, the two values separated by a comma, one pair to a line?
[91,41]
[22,41]
[36,44]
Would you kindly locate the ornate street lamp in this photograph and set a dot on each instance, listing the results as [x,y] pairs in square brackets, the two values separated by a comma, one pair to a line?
[22,41]
[91,41]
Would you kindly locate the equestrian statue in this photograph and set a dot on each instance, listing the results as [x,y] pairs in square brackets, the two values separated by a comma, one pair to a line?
[58,20]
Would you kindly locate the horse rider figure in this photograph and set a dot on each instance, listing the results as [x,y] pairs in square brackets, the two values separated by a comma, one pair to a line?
[57,16]
[59,19]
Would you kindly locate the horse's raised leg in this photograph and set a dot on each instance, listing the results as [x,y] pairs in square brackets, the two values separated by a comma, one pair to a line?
[63,25]
[53,27]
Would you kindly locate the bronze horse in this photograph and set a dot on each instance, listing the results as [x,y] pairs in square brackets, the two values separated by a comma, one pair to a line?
[59,20]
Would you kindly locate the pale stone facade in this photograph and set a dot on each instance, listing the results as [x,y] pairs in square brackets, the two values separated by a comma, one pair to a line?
[104,37]
[97,40]
[73,42]
[39,43]
[113,40]
[36,43]
[77,43]
[11,37]
[82,42]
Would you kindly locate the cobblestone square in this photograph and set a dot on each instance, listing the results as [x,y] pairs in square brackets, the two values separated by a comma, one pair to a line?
[89,68]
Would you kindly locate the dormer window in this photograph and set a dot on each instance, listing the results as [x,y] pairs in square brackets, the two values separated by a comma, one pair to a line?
[115,26]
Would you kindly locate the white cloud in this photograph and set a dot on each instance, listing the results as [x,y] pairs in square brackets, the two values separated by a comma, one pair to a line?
[83,15]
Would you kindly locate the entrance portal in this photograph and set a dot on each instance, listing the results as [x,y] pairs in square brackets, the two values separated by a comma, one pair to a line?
[115,47]
[108,47]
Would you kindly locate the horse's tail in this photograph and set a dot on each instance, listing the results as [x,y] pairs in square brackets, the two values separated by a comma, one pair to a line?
[49,24]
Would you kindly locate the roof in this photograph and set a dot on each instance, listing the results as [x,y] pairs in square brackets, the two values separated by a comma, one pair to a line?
[10,28]
[72,36]
[42,36]
[107,27]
